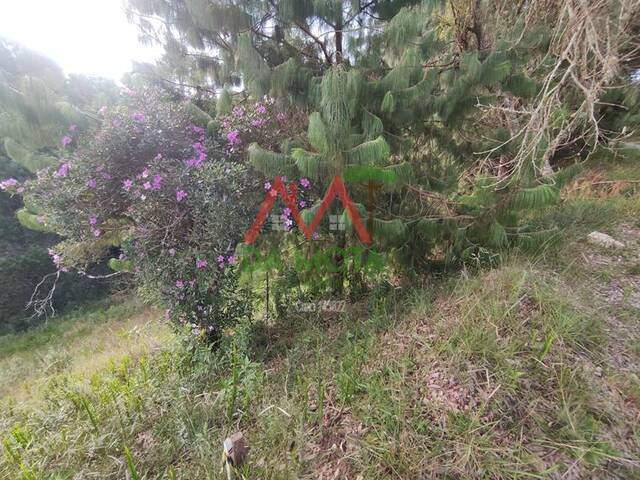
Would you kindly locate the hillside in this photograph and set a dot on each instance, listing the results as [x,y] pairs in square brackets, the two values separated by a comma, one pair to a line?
[526,370]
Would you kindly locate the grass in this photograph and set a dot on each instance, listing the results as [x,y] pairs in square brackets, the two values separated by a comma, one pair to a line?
[529,370]
[79,343]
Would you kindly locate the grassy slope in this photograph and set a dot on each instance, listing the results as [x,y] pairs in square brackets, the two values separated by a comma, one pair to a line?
[80,343]
[529,370]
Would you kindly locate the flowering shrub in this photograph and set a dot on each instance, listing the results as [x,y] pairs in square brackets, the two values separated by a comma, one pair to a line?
[264,123]
[165,201]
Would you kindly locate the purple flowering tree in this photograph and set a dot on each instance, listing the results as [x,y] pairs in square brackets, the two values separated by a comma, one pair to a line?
[164,201]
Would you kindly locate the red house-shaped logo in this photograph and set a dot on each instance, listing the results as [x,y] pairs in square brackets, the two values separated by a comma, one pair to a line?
[290,198]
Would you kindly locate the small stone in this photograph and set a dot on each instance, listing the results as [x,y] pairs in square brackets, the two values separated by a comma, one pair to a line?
[604,240]
[235,449]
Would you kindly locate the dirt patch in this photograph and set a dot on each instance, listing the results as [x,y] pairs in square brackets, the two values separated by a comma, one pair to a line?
[338,439]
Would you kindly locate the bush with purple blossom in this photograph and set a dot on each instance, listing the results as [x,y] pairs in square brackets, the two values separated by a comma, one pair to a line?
[152,191]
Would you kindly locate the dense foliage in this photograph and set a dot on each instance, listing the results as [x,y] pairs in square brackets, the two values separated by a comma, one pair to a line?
[466,108]
[162,200]
[39,107]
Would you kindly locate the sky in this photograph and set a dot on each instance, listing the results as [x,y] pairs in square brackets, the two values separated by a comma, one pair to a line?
[82,36]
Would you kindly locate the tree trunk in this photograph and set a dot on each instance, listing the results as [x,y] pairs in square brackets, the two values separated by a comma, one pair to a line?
[339,40]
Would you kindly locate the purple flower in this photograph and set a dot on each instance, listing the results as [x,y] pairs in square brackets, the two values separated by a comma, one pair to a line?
[267,185]
[55,258]
[305,182]
[196,129]
[286,212]
[66,140]
[201,263]
[258,123]
[63,170]
[157,182]
[158,157]
[138,117]
[303,204]
[96,232]
[261,109]
[73,128]
[145,173]
[91,183]
[179,284]
[146,185]
[93,220]
[220,259]
[281,117]
[181,195]
[9,182]
[127,184]
[192,283]
[232,260]
[315,236]
[238,111]
[233,137]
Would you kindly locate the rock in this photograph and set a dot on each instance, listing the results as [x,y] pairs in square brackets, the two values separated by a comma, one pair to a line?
[235,449]
[604,240]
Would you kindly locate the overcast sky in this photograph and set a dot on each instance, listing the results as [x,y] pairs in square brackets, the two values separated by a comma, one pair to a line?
[82,36]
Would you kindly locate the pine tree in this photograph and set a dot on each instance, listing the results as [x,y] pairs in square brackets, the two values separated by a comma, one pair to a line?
[392,85]
[38,106]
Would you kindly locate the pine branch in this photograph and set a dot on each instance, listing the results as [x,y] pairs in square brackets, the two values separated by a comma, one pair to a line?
[319,42]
